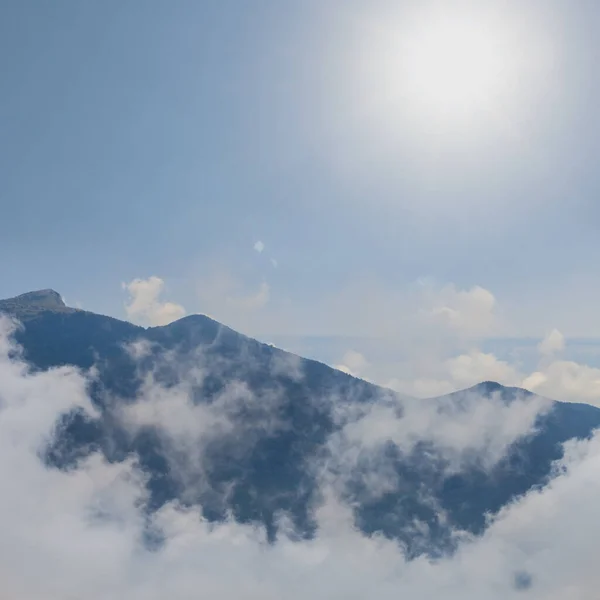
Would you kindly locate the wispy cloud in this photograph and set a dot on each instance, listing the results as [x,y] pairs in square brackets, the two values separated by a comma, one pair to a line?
[81,532]
[439,336]
[553,343]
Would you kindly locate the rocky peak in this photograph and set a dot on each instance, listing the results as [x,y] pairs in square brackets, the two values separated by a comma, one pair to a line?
[31,304]
[40,298]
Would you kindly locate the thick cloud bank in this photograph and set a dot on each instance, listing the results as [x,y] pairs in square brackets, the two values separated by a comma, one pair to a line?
[82,533]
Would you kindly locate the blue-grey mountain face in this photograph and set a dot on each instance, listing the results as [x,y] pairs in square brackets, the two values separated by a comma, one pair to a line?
[272,429]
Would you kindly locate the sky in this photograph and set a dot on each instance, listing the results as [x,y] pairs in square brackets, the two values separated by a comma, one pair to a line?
[285,169]
[404,189]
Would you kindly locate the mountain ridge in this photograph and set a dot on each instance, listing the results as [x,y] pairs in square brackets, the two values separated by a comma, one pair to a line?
[32,304]
[284,414]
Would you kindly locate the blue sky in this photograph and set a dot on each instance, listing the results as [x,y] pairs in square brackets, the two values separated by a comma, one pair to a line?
[167,138]
[323,175]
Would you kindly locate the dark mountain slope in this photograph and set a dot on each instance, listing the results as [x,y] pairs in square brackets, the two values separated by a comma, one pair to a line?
[283,416]
[472,494]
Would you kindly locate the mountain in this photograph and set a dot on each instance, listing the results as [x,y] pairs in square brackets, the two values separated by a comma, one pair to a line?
[267,428]
[32,304]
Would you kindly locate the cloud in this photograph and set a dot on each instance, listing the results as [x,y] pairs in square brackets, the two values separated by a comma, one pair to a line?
[259,246]
[352,363]
[553,343]
[477,430]
[425,341]
[469,369]
[144,305]
[566,380]
[440,349]
[563,379]
[80,533]
[468,312]
[443,376]
[235,419]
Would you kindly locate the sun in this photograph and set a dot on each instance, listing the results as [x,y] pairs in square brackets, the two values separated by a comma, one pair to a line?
[446,69]
[453,66]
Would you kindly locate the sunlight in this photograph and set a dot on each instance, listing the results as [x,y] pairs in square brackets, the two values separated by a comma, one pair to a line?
[447,69]
[454,65]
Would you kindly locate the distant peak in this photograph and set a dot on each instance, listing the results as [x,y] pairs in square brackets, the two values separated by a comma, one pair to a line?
[489,387]
[42,298]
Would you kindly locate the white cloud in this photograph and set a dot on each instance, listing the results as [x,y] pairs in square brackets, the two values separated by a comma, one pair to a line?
[78,534]
[234,415]
[478,429]
[553,343]
[560,379]
[139,349]
[458,372]
[468,312]
[563,379]
[472,368]
[424,308]
[566,380]
[144,305]
[435,363]
[353,363]
[259,246]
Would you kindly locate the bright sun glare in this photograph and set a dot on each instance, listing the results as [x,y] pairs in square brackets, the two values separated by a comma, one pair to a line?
[448,67]
[455,66]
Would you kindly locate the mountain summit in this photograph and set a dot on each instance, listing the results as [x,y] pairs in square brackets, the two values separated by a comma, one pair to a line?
[32,304]
[46,298]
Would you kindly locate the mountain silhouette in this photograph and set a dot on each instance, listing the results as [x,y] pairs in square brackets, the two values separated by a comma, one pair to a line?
[284,420]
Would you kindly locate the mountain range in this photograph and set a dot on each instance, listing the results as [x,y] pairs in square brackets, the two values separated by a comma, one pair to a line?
[256,434]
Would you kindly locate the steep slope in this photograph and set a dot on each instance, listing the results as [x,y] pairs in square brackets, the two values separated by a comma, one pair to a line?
[266,430]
